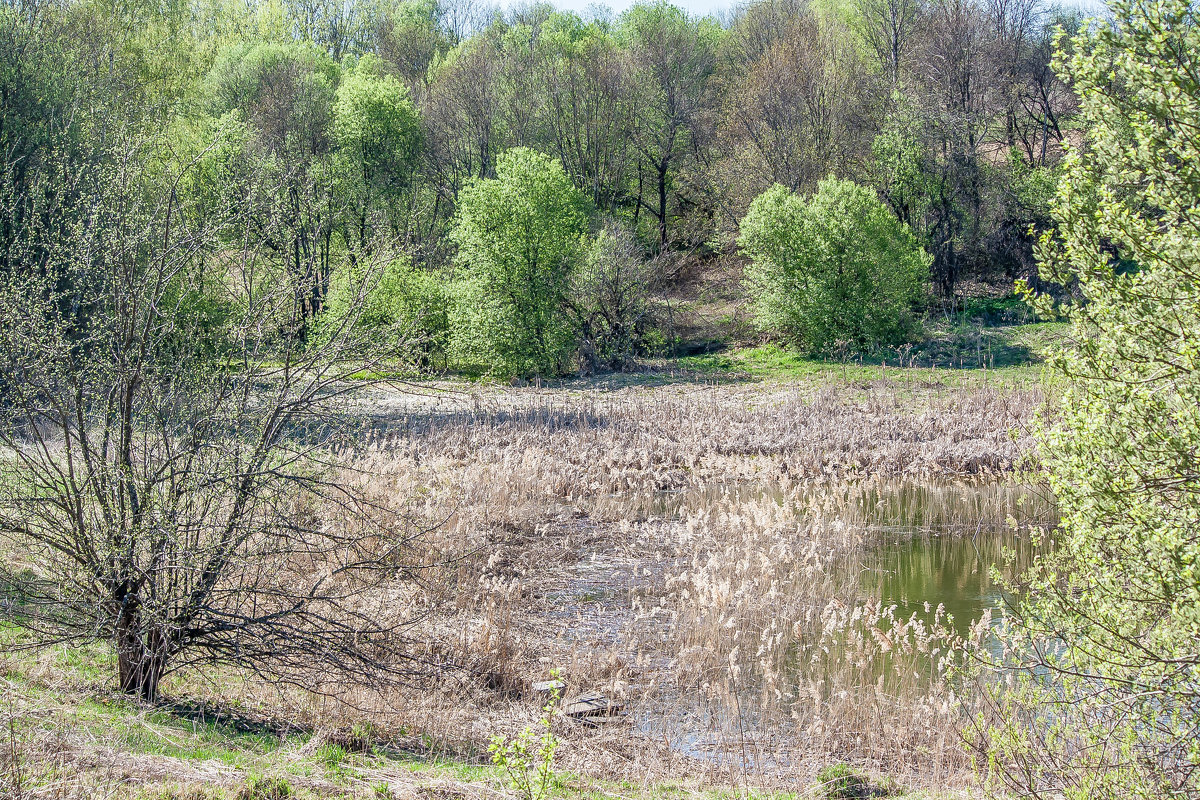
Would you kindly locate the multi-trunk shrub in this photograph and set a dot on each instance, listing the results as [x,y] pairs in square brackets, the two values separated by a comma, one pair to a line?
[520,237]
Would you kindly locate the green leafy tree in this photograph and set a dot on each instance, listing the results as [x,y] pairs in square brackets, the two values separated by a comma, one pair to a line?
[401,305]
[899,170]
[519,240]
[837,266]
[528,758]
[1105,702]
[378,137]
[285,92]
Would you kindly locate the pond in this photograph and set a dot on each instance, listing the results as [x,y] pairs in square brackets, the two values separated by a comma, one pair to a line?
[868,643]
[955,571]
[943,545]
[923,542]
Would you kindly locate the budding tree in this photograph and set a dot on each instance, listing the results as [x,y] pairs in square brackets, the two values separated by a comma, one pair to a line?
[167,430]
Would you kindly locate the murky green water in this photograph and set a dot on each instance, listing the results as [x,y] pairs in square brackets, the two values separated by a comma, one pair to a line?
[948,545]
[928,543]
[957,571]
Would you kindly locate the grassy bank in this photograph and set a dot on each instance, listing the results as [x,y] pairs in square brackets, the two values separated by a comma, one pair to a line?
[66,736]
[952,353]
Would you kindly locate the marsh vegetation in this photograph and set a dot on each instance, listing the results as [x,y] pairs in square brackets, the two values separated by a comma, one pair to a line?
[744,568]
[796,402]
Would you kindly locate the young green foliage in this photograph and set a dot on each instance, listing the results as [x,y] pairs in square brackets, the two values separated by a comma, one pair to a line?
[1110,703]
[528,758]
[519,238]
[398,304]
[836,267]
[378,137]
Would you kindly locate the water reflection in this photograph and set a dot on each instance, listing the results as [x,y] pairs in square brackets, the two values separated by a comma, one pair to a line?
[858,643]
[957,571]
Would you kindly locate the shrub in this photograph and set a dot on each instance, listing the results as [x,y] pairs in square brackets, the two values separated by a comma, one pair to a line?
[402,305]
[1103,700]
[528,758]
[840,781]
[838,266]
[519,240]
[611,296]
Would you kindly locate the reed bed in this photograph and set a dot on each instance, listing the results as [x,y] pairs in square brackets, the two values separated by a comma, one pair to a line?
[773,638]
[670,437]
[692,553]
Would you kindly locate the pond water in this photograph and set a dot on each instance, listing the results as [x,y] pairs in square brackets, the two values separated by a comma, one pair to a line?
[927,542]
[923,545]
[953,556]
[956,571]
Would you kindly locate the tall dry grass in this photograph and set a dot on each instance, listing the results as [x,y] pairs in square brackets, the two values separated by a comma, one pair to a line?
[690,551]
[777,645]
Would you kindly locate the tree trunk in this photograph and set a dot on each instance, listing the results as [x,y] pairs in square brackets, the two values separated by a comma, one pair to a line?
[141,657]
[662,205]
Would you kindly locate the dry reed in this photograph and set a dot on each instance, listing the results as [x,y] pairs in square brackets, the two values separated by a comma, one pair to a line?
[683,550]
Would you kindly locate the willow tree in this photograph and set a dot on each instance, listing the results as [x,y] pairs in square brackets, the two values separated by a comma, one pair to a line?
[1104,701]
[836,266]
[520,239]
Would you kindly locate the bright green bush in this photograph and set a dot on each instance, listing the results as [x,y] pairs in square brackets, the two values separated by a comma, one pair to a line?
[834,269]
[403,310]
[520,239]
[378,137]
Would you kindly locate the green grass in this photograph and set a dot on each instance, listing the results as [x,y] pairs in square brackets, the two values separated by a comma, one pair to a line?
[950,354]
[984,338]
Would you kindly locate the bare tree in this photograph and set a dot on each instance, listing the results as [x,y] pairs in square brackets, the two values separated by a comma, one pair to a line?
[800,108]
[165,431]
[890,28]
[610,297]
[1044,100]
[589,112]
[672,59]
[460,114]
[958,96]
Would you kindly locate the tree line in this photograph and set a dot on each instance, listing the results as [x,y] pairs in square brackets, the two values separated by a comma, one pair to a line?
[352,129]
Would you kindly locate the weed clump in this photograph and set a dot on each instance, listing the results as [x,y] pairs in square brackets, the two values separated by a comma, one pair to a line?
[843,782]
[260,787]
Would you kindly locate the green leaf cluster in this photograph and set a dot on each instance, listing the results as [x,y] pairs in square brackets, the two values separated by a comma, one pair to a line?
[520,236]
[1109,703]
[832,270]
